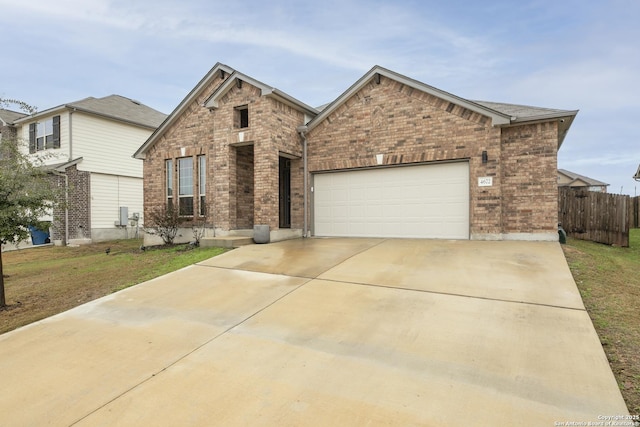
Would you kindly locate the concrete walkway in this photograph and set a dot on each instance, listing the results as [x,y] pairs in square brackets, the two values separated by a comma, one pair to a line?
[325,332]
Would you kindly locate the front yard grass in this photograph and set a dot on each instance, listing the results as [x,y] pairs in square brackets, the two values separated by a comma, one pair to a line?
[45,281]
[609,281]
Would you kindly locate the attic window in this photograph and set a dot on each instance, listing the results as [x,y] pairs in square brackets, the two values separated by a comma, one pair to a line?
[241,117]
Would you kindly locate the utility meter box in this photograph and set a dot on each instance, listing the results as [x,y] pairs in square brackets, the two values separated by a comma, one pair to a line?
[124,215]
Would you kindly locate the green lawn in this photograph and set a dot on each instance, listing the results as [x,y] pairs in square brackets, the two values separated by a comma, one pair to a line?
[609,281]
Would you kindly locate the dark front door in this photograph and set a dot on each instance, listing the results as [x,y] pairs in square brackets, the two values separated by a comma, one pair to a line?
[285,192]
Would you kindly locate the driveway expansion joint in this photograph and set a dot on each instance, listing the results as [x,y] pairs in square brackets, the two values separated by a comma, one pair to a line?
[538,304]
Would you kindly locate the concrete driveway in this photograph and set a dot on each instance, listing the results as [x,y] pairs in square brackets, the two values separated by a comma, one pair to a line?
[323,332]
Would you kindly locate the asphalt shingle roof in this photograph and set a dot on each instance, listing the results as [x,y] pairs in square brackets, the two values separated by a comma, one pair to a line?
[522,112]
[9,116]
[574,176]
[121,108]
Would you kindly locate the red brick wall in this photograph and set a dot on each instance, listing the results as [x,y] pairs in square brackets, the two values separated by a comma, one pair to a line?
[78,208]
[406,125]
[242,176]
[409,126]
[193,132]
[244,187]
[530,179]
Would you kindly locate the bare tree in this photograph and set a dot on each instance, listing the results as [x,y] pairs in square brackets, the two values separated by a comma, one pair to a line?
[164,222]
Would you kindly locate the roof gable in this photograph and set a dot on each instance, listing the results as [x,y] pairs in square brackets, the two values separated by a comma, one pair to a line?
[232,78]
[236,78]
[218,71]
[497,118]
[501,114]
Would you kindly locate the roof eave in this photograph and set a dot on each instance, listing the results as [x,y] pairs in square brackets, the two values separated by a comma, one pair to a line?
[546,117]
[292,102]
[564,118]
[61,167]
[108,116]
[47,112]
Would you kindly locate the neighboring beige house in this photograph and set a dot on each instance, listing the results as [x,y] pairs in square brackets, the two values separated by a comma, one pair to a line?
[87,146]
[390,157]
[574,180]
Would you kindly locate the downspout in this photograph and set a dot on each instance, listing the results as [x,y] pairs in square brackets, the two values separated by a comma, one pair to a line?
[71,134]
[302,130]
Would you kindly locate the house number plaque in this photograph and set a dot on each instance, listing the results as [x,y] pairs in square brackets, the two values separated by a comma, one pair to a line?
[485,181]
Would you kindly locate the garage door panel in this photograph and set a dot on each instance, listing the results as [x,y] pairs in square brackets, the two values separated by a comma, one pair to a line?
[430,201]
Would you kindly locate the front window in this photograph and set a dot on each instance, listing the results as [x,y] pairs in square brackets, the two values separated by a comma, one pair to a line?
[44,135]
[185,186]
[169,176]
[202,182]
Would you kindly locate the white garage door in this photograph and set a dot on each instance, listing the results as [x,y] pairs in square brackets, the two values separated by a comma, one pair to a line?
[428,201]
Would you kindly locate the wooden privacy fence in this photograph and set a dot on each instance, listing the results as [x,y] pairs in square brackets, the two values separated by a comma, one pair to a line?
[635,212]
[599,217]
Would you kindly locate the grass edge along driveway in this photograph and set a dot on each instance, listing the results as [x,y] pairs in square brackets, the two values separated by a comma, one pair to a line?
[608,280]
[41,282]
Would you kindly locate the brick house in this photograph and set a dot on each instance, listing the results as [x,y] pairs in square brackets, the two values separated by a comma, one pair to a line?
[390,157]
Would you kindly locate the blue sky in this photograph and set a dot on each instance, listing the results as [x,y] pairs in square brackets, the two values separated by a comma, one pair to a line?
[570,54]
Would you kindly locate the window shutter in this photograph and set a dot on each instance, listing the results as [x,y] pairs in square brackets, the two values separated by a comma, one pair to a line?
[56,131]
[32,138]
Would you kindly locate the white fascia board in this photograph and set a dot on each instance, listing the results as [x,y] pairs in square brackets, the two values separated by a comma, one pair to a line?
[292,102]
[212,101]
[36,116]
[567,115]
[265,90]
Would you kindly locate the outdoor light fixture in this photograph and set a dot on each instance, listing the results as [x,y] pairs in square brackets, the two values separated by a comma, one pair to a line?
[485,157]
[637,175]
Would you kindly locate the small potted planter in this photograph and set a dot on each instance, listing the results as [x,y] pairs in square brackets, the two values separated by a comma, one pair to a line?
[261,233]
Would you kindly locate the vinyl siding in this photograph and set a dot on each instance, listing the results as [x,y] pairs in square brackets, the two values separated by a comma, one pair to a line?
[108,193]
[49,156]
[107,146]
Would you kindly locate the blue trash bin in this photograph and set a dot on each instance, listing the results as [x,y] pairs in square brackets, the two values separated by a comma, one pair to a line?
[39,237]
